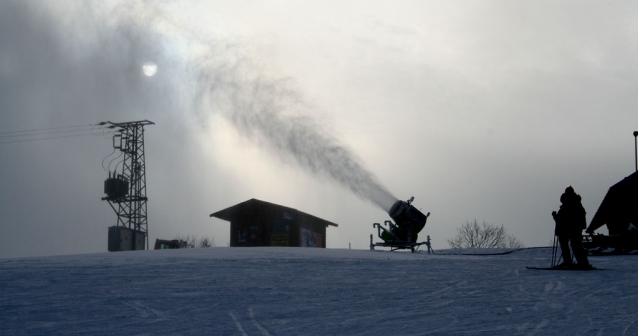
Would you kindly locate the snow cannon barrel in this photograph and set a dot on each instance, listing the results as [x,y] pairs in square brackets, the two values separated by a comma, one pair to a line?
[407,216]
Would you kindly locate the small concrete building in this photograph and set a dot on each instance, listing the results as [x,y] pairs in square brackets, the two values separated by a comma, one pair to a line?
[124,239]
[259,223]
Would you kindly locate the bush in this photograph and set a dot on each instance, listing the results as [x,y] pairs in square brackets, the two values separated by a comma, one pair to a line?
[190,241]
[206,242]
[193,242]
[485,235]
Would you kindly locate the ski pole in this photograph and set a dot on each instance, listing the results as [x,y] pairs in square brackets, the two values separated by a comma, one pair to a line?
[554,248]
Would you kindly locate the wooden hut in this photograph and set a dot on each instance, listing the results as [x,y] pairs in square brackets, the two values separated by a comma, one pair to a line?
[259,223]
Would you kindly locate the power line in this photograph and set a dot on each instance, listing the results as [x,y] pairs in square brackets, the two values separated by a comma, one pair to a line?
[54,137]
[113,152]
[51,128]
[115,158]
[48,133]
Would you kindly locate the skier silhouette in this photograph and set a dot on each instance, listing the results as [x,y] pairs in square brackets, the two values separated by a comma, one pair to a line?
[570,222]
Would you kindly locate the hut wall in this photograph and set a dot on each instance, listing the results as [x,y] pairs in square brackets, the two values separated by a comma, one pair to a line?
[312,233]
[259,223]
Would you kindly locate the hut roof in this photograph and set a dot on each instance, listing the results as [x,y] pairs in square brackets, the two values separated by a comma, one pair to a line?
[232,212]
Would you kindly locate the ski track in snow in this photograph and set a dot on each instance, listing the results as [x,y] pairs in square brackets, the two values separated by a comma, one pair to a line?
[290,291]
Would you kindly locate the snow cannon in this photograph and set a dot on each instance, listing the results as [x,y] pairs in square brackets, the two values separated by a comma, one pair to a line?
[403,233]
[407,216]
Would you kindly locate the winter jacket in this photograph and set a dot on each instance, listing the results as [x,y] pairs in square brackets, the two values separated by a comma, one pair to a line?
[571,217]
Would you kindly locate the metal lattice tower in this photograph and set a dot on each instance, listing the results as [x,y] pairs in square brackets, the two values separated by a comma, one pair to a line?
[126,190]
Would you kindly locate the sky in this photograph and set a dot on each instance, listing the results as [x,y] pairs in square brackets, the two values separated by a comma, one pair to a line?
[481,110]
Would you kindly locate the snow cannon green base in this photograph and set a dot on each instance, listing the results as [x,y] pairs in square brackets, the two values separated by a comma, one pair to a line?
[404,232]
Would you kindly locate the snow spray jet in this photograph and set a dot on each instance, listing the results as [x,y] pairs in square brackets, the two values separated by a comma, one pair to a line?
[275,115]
[270,112]
[213,76]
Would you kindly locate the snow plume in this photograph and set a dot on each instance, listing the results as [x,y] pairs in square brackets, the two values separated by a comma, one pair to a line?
[101,47]
[269,111]
[276,115]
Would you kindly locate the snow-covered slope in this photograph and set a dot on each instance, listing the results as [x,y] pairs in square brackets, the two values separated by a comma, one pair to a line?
[290,291]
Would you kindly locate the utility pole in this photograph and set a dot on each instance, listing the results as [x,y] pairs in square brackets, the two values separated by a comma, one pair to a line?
[126,190]
[636,148]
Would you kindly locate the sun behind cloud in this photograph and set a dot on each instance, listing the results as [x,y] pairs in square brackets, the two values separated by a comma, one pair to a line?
[149,69]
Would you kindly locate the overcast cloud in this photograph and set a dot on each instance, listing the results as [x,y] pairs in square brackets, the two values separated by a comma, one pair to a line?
[481,110]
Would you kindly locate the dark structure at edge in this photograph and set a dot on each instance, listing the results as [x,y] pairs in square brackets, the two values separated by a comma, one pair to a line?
[618,210]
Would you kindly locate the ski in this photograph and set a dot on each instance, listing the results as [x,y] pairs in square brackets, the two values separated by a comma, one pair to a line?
[565,269]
